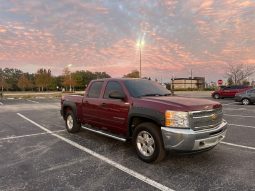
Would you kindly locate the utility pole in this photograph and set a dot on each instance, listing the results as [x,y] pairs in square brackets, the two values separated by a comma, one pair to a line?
[2,83]
[140,60]
[191,79]
[140,44]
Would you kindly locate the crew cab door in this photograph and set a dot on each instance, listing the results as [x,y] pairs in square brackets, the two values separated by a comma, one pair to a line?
[91,105]
[114,112]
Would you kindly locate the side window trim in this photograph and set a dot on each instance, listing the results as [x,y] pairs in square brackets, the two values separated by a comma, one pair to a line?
[102,83]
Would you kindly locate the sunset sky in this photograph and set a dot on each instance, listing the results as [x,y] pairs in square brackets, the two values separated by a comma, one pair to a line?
[101,35]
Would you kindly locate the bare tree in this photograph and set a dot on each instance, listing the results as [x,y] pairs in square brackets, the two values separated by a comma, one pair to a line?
[68,78]
[24,82]
[239,72]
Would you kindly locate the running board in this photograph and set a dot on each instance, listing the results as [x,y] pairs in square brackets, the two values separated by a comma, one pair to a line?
[105,133]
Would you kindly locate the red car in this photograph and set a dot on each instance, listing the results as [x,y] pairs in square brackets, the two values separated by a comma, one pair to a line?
[229,91]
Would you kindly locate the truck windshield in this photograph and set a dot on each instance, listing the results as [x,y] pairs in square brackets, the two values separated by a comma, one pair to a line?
[141,88]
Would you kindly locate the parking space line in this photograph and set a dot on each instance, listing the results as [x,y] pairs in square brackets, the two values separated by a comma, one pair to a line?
[239,115]
[30,135]
[103,158]
[232,103]
[236,145]
[241,125]
[234,109]
[32,101]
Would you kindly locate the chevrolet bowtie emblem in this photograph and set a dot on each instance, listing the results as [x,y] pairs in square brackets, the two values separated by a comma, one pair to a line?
[214,117]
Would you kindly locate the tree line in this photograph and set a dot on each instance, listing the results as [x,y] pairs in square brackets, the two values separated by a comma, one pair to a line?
[12,79]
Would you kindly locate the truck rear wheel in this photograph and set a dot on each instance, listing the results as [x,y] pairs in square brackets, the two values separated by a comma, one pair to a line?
[148,143]
[72,126]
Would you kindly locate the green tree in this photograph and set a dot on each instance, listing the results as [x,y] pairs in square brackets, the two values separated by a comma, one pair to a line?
[11,76]
[43,79]
[133,74]
[246,83]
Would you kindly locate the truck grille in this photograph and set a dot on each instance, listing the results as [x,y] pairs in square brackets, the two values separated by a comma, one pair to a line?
[207,119]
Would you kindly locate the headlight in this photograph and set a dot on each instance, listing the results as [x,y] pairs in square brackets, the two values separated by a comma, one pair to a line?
[176,119]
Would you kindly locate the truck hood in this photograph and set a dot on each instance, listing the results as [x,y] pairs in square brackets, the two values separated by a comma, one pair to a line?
[182,103]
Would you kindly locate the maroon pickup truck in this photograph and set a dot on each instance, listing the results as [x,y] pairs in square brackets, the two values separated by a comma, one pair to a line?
[145,112]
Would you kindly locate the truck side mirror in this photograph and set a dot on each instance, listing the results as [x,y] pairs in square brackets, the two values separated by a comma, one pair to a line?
[117,95]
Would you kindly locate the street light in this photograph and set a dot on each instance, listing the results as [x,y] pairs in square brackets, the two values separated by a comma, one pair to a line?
[140,44]
[70,79]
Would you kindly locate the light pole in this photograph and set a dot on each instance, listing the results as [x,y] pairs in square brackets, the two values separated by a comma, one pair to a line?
[2,82]
[70,79]
[140,44]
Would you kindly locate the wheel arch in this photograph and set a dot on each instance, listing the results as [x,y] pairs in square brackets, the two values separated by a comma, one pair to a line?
[137,119]
[67,106]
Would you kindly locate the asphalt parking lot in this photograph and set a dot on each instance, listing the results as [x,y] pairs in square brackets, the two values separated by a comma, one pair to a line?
[38,154]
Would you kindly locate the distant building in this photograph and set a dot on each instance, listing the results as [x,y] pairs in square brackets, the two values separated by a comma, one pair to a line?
[197,83]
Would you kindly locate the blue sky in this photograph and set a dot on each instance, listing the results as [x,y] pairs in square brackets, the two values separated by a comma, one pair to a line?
[101,35]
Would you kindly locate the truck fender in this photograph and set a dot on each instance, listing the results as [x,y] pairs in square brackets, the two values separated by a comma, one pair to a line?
[145,113]
[71,105]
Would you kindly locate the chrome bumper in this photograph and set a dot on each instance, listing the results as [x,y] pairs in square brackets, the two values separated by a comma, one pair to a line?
[190,140]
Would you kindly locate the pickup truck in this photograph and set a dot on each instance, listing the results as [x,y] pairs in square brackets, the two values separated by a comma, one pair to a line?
[144,112]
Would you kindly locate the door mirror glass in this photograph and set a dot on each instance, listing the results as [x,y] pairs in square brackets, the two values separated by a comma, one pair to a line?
[116,95]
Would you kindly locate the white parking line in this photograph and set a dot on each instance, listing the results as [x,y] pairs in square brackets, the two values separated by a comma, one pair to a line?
[234,109]
[232,103]
[30,135]
[103,158]
[239,115]
[241,125]
[32,101]
[240,146]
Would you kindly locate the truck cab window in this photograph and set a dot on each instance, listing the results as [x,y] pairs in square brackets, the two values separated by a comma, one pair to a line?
[112,86]
[95,89]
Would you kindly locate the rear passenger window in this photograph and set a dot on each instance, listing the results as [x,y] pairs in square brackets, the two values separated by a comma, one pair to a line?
[95,89]
[112,86]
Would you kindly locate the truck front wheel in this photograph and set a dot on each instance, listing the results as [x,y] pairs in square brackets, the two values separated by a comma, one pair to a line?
[72,125]
[148,143]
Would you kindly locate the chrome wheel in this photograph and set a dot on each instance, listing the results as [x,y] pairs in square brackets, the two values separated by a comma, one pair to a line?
[145,143]
[69,122]
[217,96]
[246,102]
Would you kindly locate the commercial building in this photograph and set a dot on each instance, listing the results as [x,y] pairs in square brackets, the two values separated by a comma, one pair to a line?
[196,83]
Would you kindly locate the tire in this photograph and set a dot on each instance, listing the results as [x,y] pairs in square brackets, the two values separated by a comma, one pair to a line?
[216,96]
[72,126]
[246,101]
[152,149]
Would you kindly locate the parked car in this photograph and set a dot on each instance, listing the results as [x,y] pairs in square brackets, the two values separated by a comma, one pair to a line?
[144,112]
[246,97]
[229,91]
